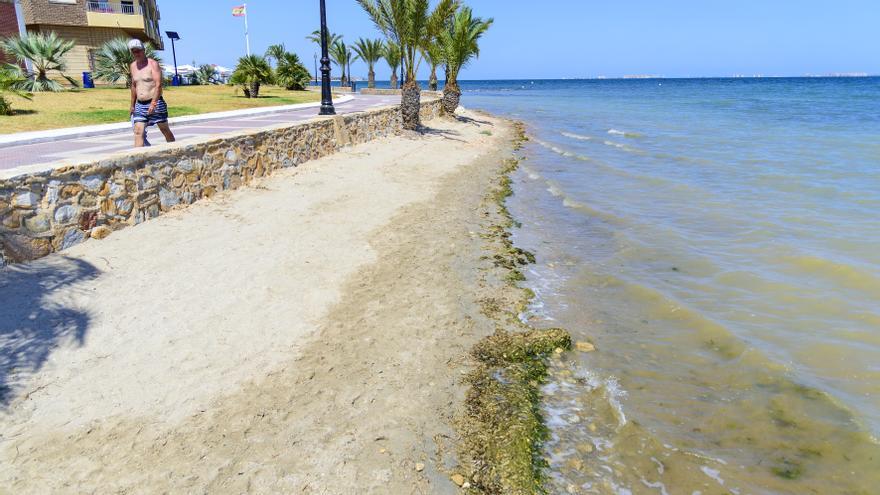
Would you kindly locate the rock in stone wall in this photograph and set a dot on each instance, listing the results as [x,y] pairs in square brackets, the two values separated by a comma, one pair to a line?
[49,211]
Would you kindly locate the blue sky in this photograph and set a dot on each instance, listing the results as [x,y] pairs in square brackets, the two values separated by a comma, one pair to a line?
[576,38]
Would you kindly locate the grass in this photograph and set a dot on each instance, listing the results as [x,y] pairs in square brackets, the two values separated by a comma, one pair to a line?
[110,104]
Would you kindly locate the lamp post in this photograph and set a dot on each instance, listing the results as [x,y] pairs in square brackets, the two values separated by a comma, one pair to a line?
[326,94]
[316,68]
[173,36]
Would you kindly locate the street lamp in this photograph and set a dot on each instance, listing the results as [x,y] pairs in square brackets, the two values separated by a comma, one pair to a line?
[326,94]
[173,36]
[316,68]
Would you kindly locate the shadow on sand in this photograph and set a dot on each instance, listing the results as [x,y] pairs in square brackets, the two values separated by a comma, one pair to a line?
[470,120]
[33,319]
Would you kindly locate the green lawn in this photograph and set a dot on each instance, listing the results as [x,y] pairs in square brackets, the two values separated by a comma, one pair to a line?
[106,105]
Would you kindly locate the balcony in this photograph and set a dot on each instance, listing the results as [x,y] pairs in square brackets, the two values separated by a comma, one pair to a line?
[115,14]
[110,7]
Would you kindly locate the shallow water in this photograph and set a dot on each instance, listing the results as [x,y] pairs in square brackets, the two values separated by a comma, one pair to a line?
[719,241]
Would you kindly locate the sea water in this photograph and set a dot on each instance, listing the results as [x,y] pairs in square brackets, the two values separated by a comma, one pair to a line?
[718,240]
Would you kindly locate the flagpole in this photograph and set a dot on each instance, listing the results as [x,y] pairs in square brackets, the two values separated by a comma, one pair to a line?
[247,36]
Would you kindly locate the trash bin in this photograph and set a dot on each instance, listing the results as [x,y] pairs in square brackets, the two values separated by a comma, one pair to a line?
[176,80]
[354,87]
[87,80]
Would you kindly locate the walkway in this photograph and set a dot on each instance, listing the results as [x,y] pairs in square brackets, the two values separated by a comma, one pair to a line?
[91,148]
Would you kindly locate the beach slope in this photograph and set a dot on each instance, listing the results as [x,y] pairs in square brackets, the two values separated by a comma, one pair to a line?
[306,334]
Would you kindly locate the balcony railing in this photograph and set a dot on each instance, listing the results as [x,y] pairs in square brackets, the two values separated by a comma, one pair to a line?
[108,7]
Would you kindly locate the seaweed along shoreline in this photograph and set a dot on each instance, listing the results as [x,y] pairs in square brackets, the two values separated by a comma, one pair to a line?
[502,426]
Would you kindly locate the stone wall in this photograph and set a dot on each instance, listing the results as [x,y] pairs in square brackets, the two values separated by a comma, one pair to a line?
[386,91]
[49,211]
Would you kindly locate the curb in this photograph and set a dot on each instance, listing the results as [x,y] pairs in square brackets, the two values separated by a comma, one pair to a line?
[34,137]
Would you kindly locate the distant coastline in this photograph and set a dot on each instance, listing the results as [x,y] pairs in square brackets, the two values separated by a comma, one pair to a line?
[853,75]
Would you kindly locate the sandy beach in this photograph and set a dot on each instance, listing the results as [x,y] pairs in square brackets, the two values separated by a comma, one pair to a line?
[306,334]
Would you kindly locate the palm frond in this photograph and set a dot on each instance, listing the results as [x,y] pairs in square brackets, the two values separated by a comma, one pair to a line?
[275,52]
[332,38]
[251,69]
[460,42]
[291,73]
[113,61]
[45,52]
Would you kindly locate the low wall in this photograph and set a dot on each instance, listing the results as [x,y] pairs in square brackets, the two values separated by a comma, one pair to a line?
[48,211]
[385,91]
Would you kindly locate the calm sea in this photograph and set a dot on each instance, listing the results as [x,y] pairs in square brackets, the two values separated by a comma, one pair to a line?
[719,242]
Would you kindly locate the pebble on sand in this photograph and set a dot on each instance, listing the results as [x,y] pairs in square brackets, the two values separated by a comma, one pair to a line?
[420,467]
[458,479]
[585,448]
[100,232]
[585,347]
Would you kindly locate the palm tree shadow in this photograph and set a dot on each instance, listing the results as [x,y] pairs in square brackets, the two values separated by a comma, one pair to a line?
[34,320]
[430,131]
[471,120]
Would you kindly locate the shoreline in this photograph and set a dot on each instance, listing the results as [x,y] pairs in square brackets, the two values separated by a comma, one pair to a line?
[232,394]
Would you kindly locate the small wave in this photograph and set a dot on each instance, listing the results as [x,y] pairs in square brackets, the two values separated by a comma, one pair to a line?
[579,137]
[612,391]
[631,135]
[560,151]
[656,485]
[577,205]
[660,181]
[530,172]
[712,473]
[623,147]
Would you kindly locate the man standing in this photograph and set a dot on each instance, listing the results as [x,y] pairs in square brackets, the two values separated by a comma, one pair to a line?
[147,105]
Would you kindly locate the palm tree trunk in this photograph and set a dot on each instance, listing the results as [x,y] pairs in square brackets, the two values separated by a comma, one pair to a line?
[394,79]
[255,89]
[371,81]
[410,105]
[451,97]
[432,81]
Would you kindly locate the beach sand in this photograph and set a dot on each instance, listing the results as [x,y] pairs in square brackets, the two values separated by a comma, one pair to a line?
[308,333]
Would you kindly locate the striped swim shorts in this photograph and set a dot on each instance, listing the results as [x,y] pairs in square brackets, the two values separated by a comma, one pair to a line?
[159,115]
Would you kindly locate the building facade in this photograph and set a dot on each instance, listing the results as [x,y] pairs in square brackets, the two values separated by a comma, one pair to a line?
[89,24]
[9,24]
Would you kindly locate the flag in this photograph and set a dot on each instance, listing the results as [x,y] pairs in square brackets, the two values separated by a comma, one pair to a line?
[239,11]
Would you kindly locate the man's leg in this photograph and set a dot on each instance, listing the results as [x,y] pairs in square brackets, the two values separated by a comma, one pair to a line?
[139,128]
[166,131]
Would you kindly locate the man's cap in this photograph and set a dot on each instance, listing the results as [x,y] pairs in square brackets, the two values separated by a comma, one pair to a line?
[135,45]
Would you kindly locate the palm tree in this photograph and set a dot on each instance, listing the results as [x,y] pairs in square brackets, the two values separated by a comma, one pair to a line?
[433,54]
[341,54]
[11,78]
[460,45]
[291,73]
[45,51]
[332,38]
[275,52]
[251,72]
[113,61]
[412,24]
[392,56]
[205,74]
[370,51]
